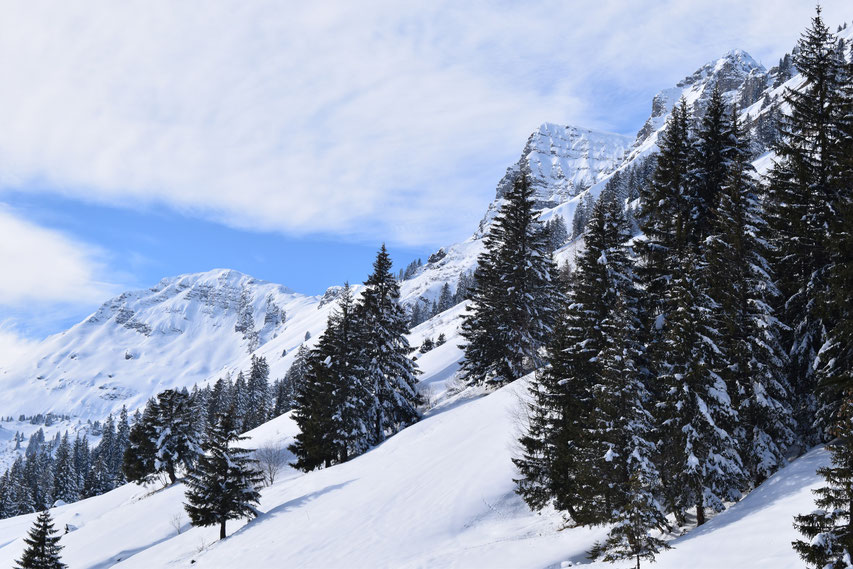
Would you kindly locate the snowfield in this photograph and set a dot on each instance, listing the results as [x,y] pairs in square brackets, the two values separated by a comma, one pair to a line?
[438,494]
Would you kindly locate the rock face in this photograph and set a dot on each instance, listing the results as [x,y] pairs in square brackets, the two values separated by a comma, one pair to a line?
[562,161]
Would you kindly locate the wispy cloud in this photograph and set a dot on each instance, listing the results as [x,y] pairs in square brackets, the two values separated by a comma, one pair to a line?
[46,267]
[373,119]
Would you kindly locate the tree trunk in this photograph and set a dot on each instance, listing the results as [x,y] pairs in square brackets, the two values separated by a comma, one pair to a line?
[700,512]
[638,561]
[222,529]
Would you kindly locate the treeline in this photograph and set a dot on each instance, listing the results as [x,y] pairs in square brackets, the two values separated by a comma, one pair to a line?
[682,371]
[63,470]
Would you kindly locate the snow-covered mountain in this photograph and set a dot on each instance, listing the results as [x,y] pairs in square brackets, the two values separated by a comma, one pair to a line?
[181,331]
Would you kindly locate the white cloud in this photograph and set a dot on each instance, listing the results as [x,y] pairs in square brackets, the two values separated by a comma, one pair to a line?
[381,119]
[45,266]
[13,346]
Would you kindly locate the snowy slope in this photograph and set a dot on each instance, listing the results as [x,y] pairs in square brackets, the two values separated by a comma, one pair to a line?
[438,494]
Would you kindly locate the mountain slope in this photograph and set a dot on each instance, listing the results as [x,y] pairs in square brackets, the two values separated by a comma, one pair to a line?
[438,494]
[179,332]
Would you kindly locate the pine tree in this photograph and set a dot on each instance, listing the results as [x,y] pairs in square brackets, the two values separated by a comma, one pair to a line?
[139,458]
[258,394]
[390,375]
[445,298]
[743,291]
[664,216]
[829,529]
[224,485]
[708,166]
[332,401]
[122,441]
[513,303]
[64,474]
[176,443]
[700,462]
[561,460]
[801,198]
[42,551]
[623,430]
[632,521]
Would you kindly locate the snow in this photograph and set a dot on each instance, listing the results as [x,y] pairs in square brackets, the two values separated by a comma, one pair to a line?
[438,494]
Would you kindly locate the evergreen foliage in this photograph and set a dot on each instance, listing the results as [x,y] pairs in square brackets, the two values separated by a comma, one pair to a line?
[224,484]
[42,551]
[513,303]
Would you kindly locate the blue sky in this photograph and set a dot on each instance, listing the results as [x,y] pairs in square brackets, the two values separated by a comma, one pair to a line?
[288,141]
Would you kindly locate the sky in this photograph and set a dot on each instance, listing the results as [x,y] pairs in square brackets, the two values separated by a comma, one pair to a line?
[289,140]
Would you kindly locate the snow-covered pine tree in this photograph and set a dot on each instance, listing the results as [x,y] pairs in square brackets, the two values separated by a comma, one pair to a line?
[622,430]
[829,529]
[445,298]
[562,458]
[664,214]
[65,485]
[743,292]
[285,389]
[801,196]
[633,520]
[699,459]
[513,303]
[389,373]
[257,394]
[42,551]
[141,453]
[122,441]
[708,160]
[834,363]
[224,485]
[240,401]
[332,401]
[176,437]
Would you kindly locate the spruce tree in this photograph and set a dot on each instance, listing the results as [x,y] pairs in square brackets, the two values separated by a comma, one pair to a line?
[664,219]
[42,551]
[743,292]
[513,303]
[66,487]
[389,373]
[801,198]
[708,165]
[829,530]
[224,485]
[333,398]
[139,458]
[258,394]
[700,463]
[562,454]
[176,437]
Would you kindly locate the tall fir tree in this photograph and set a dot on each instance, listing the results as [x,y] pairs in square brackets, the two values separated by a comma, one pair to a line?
[42,551]
[699,459]
[224,485]
[66,486]
[332,403]
[513,302]
[258,394]
[138,463]
[801,194]
[390,375]
[562,456]
[708,166]
[177,446]
[829,529]
[744,292]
